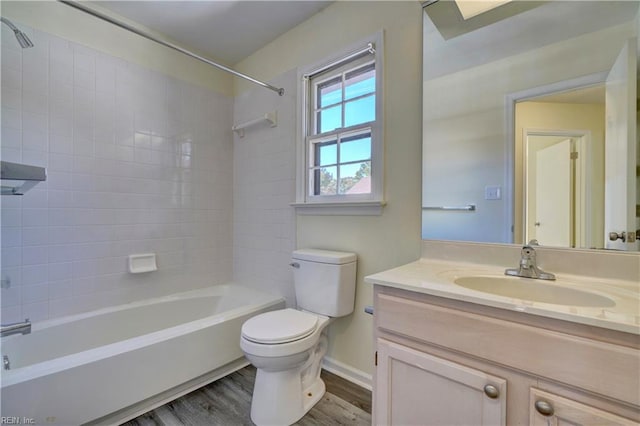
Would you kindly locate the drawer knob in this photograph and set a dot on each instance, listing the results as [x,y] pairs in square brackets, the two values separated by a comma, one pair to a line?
[491,391]
[544,408]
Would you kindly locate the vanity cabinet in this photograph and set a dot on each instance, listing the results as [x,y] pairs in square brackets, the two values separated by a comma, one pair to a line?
[436,358]
[419,386]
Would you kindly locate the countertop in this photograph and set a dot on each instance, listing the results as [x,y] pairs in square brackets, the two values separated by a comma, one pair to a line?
[435,277]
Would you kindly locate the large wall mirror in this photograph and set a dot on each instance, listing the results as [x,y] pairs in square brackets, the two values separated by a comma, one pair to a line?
[530,115]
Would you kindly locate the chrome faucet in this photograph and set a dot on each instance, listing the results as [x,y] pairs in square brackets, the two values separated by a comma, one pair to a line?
[528,267]
[15,328]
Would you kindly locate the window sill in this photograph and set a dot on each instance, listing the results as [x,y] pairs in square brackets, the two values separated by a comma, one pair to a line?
[352,208]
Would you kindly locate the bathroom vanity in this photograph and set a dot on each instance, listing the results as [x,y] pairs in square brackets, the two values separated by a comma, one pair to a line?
[449,354]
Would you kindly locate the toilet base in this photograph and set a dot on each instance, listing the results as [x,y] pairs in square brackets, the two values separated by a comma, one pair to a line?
[283,397]
[279,400]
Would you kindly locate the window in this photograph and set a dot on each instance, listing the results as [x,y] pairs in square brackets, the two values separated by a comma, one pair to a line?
[342,132]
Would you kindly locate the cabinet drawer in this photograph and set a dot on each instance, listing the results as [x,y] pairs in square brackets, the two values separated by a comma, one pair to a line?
[598,367]
[549,409]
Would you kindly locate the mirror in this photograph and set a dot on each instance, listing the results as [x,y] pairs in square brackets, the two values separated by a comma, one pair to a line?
[530,124]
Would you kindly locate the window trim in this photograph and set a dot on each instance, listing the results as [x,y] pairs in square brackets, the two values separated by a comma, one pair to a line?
[350,204]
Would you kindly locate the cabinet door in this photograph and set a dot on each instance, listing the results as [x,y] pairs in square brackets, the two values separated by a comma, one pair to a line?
[415,388]
[548,409]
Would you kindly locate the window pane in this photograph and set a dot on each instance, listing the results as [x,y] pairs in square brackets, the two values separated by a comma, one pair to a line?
[360,82]
[325,180]
[355,148]
[360,111]
[325,153]
[329,119]
[355,178]
[329,92]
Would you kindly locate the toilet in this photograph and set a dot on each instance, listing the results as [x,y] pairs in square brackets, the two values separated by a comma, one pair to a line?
[287,346]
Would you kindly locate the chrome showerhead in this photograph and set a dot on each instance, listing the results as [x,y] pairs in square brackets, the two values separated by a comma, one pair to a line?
[23,40]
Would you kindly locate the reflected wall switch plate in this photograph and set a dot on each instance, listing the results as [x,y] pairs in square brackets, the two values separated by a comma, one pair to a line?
[492,193]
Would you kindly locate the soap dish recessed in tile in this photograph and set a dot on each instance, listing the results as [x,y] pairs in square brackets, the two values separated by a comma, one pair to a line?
[139,263]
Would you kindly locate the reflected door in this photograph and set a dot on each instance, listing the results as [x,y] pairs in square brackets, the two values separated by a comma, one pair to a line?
[620,149]
[553,195]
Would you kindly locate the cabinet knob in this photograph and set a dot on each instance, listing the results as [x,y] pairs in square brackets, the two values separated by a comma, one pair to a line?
[544,408]
[491,391]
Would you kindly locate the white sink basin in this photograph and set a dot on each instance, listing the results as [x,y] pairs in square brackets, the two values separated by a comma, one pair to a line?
[533,290]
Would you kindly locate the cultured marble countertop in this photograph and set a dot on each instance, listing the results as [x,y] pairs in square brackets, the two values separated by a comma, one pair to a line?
[435,277]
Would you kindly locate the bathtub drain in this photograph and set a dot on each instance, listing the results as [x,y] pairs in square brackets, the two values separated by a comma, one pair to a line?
[6,362]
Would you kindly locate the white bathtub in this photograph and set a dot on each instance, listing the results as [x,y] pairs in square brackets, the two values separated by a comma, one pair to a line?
[114,363]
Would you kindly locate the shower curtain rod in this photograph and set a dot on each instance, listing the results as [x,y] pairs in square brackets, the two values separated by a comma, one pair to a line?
[100,15]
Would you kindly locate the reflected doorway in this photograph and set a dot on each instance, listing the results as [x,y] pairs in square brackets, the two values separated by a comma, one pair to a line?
[556,196]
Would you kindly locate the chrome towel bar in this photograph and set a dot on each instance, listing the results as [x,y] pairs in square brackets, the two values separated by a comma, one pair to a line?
[468,207]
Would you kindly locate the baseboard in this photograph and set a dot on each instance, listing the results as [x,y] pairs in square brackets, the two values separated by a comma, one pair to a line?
[156,401]
[347,372]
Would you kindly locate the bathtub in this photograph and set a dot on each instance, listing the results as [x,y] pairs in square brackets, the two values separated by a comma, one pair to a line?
[109,365]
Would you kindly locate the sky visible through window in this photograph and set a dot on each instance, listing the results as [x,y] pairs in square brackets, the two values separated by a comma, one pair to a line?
[359,107]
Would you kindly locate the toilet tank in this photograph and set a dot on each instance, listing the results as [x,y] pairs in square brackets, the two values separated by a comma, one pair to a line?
[325,281]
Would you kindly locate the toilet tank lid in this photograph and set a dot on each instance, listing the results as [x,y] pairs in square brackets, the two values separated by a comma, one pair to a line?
[324,256]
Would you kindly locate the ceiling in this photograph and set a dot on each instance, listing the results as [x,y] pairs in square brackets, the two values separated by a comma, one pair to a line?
[226,31]
[586,95]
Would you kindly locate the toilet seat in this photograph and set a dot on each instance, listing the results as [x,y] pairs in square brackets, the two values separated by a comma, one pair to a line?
[282,326]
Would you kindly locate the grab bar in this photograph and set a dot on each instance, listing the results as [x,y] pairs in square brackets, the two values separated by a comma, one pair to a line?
[468,207]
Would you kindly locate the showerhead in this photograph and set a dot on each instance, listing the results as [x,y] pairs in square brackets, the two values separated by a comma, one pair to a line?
[23,40]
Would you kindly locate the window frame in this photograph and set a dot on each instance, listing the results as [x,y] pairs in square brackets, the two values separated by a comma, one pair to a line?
[344,62]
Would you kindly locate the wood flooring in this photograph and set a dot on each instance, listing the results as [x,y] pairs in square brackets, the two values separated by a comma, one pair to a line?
[227,402]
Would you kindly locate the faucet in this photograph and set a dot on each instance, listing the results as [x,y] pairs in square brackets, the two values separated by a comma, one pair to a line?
[15,328]
[528,267]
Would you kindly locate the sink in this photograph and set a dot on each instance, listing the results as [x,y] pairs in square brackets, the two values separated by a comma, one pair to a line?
[533,290]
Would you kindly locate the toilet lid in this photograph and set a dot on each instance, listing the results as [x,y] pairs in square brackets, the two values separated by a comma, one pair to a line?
[282,326]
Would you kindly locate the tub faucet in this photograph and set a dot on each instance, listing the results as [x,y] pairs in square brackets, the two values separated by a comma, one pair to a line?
[528,267]
[15,328]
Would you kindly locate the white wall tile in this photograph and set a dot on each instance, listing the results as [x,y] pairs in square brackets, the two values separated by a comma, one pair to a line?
[11,313]
[11,216]
[11,138]
[38,311]
[34,255]
[35,293]
[34,217]
[34,122]
[60,271]
[11,237]
[11,117]
[34,274]
[35,198]
[132,167]
[60,289]
[11,97]
[11,296]
[35,236]
[11,257]
[263,187]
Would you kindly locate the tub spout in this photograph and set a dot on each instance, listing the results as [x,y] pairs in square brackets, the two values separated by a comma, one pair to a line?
[15,328]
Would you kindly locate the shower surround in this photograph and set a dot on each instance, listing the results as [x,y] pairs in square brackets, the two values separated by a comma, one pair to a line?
[137,162]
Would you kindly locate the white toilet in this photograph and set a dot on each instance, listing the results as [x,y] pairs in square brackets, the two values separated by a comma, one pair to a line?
[287,346]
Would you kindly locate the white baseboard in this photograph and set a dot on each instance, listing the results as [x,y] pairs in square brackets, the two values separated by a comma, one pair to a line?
[347,372]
